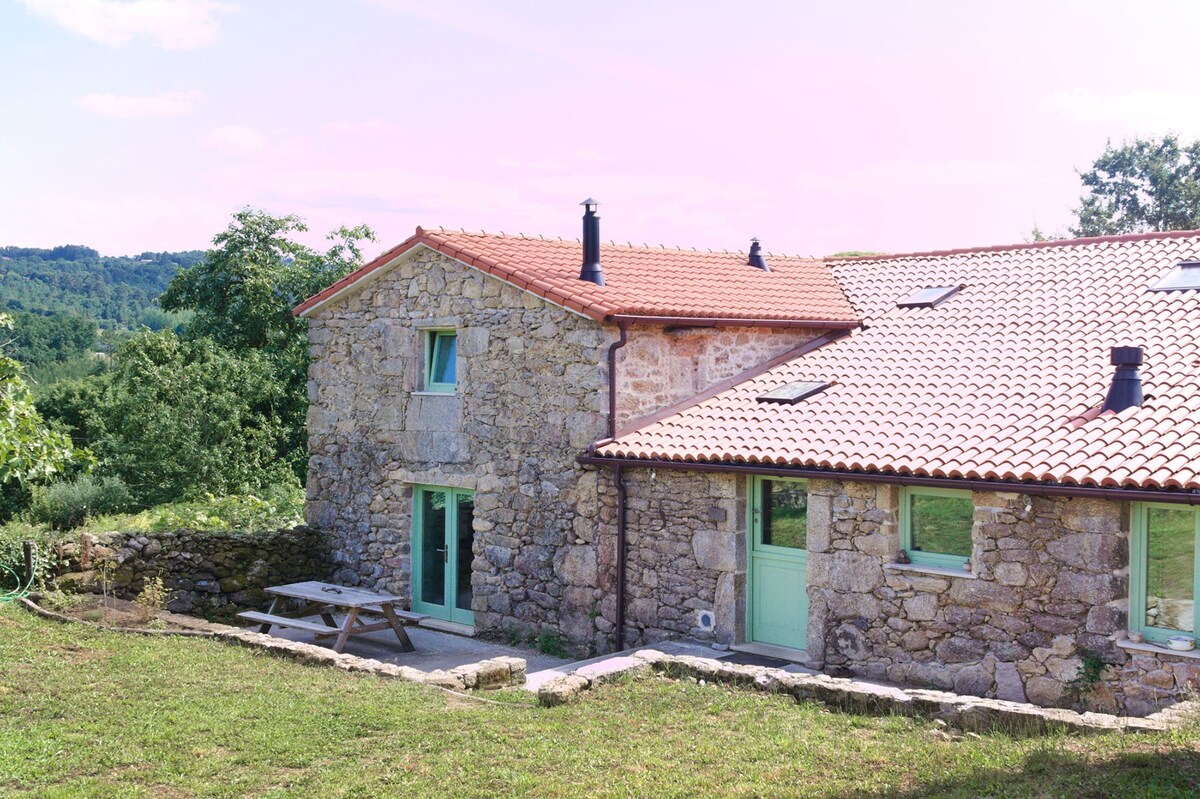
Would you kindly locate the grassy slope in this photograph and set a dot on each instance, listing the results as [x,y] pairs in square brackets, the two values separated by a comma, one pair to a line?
[90,714]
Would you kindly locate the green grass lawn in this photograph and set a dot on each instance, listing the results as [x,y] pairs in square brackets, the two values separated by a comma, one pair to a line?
[91,714]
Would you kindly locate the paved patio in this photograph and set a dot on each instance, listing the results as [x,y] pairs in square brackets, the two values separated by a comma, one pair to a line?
[442,650]
[434,649]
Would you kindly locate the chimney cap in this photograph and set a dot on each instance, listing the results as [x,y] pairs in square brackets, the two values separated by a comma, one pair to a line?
[590,203]
[1126,356]
[755,258]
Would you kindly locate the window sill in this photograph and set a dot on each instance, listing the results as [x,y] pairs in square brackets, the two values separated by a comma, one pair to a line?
[1158,649]
[940,571]
[435,393]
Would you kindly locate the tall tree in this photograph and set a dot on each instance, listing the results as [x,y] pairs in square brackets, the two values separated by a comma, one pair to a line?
[1144,185]
[243,293]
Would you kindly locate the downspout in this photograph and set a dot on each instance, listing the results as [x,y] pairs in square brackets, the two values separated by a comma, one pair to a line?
[618,470]
[619,479]
[623,326]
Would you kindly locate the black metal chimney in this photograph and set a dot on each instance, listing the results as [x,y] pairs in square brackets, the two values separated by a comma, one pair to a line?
[756,258]
[1126,389]
[591,270]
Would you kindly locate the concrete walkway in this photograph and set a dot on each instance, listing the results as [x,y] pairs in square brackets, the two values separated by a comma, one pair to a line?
[620,661]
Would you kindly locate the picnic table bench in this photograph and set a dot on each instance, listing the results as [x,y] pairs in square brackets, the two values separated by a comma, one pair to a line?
[323,599]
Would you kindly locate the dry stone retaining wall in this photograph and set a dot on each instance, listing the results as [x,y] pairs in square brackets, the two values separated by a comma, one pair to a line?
[211,572]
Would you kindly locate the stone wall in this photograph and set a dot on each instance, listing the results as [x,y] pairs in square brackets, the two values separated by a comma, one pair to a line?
[214,573]
[531,395]
[1049,587]
[685,554]
[658,367]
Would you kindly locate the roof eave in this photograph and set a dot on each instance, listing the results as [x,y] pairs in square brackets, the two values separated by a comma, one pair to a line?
[1181,496]
[732,321]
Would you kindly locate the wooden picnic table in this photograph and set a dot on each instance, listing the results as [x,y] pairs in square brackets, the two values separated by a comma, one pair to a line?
[324,599]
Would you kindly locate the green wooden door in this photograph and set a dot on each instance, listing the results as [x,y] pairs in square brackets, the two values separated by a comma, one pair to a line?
[779,563]
[442,553]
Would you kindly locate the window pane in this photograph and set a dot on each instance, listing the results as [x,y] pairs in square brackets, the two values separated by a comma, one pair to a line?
[433,547]
[442,367]
[941,524]
[1171,569]
[784,514]
[465,536]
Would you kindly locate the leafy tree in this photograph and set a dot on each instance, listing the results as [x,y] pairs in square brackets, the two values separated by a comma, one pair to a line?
[30,451]
[1141,186]
[178,418]
[242,294]
[40,340]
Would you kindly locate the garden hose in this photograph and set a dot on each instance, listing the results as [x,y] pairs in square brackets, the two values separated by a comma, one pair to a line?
[19,592]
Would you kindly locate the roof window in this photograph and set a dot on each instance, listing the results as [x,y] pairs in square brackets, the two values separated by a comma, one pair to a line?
[929,297]
[791,393]
[1183,276]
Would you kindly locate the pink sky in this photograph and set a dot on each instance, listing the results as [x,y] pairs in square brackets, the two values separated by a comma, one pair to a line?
[136,125]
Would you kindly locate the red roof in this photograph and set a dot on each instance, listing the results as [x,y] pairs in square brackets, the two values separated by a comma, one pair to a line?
[1004,380]
[640,281]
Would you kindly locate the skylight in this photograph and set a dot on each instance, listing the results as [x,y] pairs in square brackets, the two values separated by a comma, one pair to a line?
[1185,275]
[929,297]
[791,393]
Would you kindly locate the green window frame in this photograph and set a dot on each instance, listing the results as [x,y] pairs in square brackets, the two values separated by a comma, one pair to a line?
[1143,578]
[776,534]
[441,355]
[908,541]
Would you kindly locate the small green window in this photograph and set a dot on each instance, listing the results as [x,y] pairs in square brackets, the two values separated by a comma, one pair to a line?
[1165,553]
[440,350]
[936,526]
[783,513]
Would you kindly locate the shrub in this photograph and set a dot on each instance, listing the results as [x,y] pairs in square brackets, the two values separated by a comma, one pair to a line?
[275,508]
[69,504]
[153,596]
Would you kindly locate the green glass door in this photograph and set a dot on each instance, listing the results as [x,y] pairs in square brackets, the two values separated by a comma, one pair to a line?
[443,537]
[779,563]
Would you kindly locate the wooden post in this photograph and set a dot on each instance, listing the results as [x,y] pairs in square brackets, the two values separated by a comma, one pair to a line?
[28,550]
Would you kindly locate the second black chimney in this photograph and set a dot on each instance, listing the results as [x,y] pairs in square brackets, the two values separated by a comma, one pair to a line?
[756,258]
[591,270]
[1126,389]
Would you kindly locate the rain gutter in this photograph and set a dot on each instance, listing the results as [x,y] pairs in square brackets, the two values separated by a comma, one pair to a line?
[1039,489]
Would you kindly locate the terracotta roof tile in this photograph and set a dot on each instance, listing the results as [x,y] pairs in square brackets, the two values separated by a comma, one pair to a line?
[1004,380]
[640,281]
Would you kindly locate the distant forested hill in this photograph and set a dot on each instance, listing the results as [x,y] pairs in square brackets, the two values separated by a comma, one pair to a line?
[116,292]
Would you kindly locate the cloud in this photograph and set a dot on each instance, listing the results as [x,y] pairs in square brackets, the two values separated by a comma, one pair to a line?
[236,140]
[173,24]
[1132,113]
[153,106]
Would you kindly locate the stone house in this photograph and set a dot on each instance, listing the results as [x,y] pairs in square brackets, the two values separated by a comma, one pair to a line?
[969,469]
